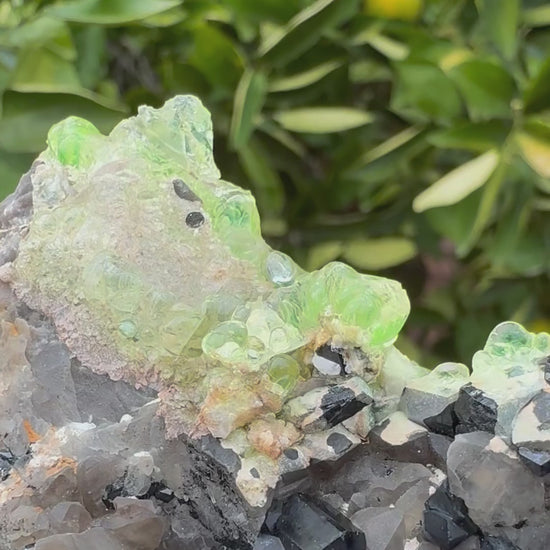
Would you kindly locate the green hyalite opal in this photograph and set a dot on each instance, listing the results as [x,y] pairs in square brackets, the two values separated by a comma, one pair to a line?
[154,270]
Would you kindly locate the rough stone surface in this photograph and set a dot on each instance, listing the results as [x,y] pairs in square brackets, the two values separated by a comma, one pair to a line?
[384,528]
[500,492]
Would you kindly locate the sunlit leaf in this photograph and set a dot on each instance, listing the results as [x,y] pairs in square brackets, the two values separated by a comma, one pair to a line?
[537,17]
[306,78]
[535,148]
[322,120]
[323,253]
[368,70]
[391,144]
[388,47]
[381,253]
[459,183]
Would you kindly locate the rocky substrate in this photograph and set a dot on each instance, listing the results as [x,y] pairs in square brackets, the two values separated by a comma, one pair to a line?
[85,465]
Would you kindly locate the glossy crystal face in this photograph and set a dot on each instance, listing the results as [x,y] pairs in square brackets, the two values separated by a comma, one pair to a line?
[154,270]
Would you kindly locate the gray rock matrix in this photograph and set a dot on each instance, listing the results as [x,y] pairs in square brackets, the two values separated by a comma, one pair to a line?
[85,464]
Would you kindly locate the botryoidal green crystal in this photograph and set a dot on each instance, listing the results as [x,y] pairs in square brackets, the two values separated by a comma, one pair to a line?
[154,270]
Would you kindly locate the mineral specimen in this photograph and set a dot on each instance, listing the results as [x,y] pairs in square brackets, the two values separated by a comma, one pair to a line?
[170,382]
[168,284]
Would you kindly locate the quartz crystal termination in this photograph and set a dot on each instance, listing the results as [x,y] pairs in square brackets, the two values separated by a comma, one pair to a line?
[153,271]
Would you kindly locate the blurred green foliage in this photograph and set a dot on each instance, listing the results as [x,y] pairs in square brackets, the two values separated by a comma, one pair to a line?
[416,147]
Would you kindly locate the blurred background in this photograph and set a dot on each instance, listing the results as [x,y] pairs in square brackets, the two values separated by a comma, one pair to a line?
[408,138]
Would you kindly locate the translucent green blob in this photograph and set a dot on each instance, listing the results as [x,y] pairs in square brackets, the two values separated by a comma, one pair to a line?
[227,342]
[73,141]
[284,371]
[128,328]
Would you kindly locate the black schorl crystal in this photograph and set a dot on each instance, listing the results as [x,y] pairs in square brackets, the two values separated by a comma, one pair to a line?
[303,525]
[475,411]
[194,219]
[183,192]
[159,491]
[443,423]
[340,403]
[331,358]
[446,519]
[537,461]
[497,543]
[112,491]
[339,442]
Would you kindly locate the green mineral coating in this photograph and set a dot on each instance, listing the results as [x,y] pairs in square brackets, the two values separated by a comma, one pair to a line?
[445,379]
[510,369]
[154,270]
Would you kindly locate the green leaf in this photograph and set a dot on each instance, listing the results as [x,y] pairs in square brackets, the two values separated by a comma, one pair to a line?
[500,21]
[28,117]
[391,144]
[423,92]
[248,102]
[484,209]
[43,31]
[265,10]
[537,17]
[534,144]
[455,221]
[375,254]
[487,88]
[323,253]
[91,63]
[283,137]
[388,47]
[215,56]
[306,78]
[305,29]
[267,184]
[12,167]
[537,92]
[368,70]
[41,71]
[322,120]
[459,183]
[109,12]
[471,136]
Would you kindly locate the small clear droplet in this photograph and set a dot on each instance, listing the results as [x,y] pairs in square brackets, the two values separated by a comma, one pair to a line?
[280,269]
[128,329]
